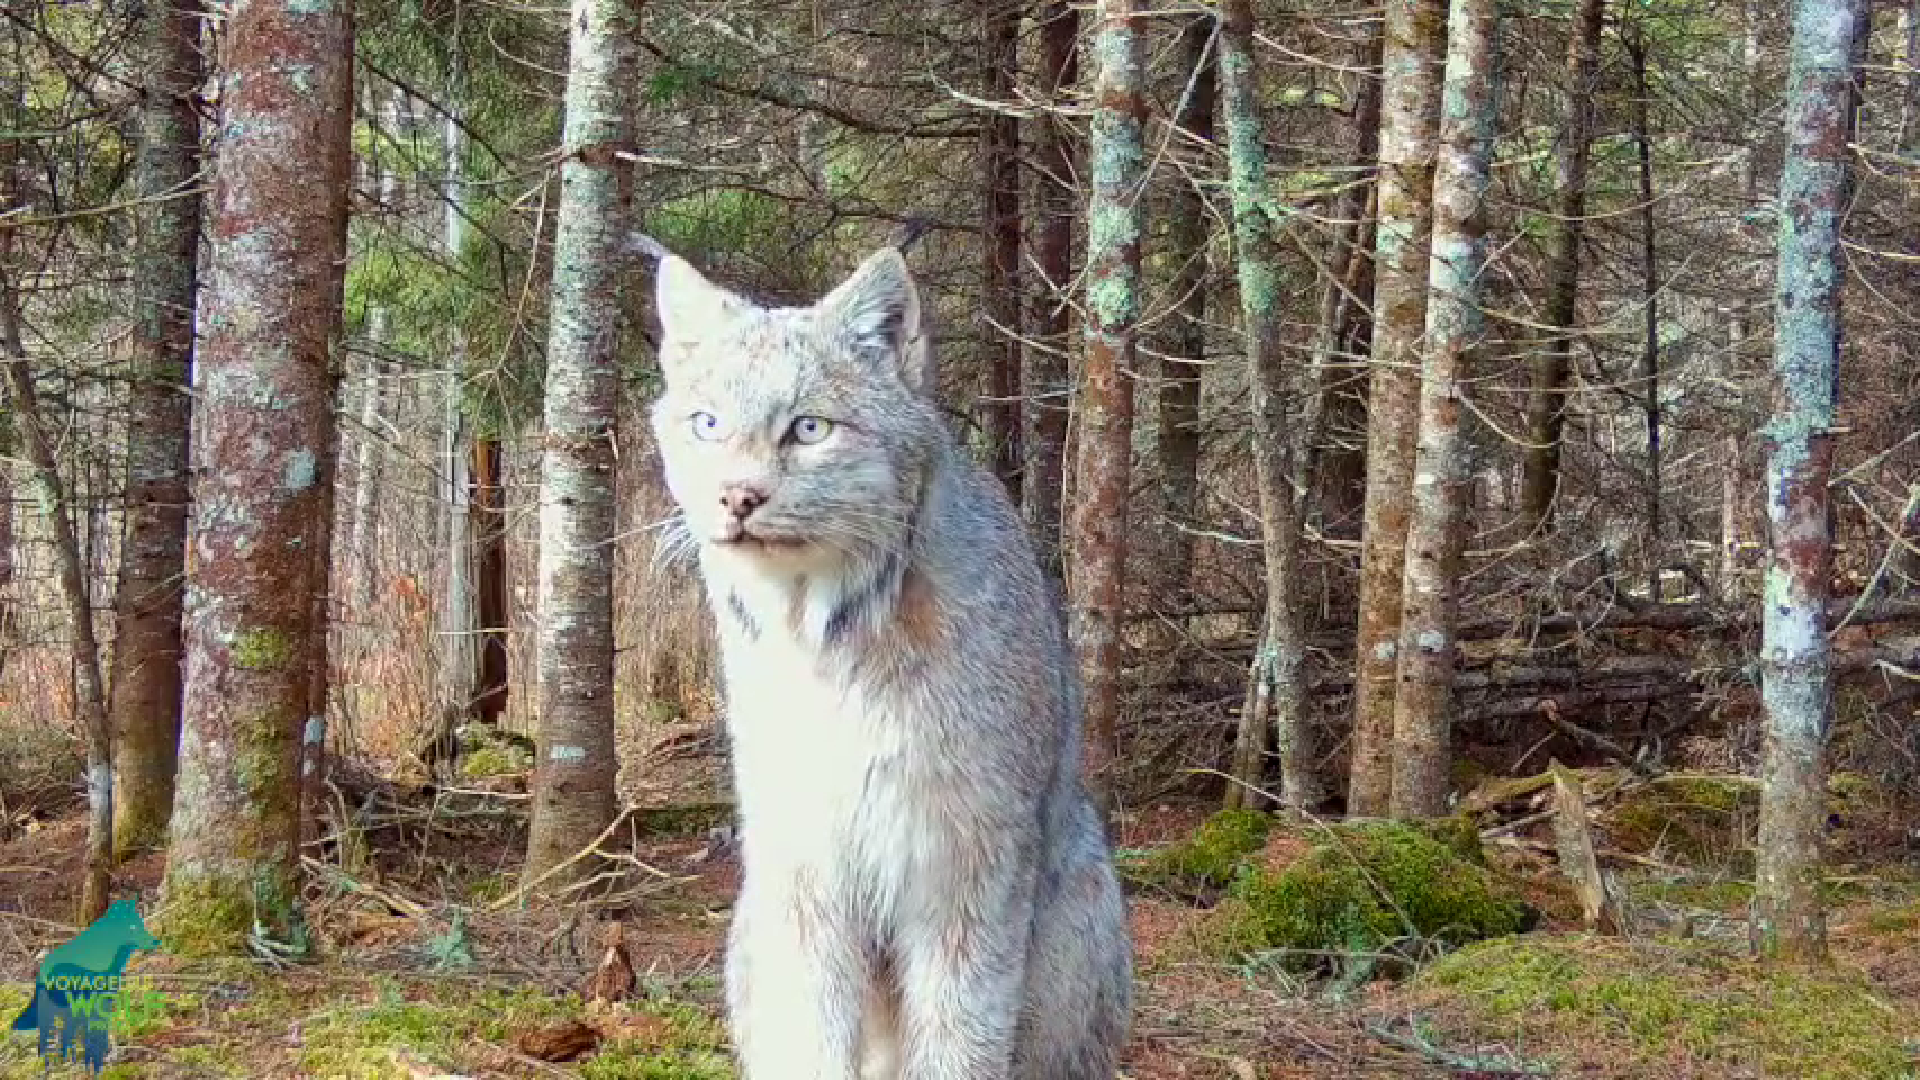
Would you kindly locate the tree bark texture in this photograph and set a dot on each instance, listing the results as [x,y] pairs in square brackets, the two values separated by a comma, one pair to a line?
[1795,660]
[1105,466]
[1000,184]
[1332,466]
[89,692]
[1281,662]
[1547,395]
[573,795]
[1649,307]
[313,736]
[1178,421]
[490,580]
[1436,531]
[459,627]
[259,496]
[146,667]
[1046,369]
[1410,113]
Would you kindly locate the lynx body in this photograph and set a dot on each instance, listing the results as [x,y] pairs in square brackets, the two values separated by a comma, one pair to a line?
[928,891]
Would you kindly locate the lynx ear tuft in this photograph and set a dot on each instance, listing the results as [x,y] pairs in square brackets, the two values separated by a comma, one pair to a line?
[687,302]
[877,309]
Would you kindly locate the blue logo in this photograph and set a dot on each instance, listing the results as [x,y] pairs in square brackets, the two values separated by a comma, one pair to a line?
[79,986]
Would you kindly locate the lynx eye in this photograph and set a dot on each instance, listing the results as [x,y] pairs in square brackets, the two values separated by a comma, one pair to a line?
[810,429]
[706,425]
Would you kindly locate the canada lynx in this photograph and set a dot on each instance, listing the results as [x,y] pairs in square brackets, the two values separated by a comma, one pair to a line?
[928,891]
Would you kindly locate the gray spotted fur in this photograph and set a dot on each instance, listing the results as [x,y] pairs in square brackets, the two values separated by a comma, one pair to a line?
[928,891]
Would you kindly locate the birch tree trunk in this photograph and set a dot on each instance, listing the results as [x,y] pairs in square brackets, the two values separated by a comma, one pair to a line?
[266,430]
[459,646]
[1436,532]
[1105,463]
[1415,34]
[145,678]
[1795,662]
[573,795]
[1280,664]
[1000,185]
[1045,374]
[1547,396]
[1178,399]
[89,697]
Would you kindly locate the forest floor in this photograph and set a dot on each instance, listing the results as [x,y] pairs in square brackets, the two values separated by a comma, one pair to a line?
[426,971]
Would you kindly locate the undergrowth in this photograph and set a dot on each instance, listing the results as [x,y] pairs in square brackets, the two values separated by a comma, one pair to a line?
[1652,1006]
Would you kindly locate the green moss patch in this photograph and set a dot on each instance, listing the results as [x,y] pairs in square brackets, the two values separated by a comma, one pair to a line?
[1726,897]
[484,762]
[1209,859]
[1364,888]
[1695,821]
[1609,1007]
[682,819]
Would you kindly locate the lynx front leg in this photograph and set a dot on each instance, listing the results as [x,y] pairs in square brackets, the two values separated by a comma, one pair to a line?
[963,985]
[794,987]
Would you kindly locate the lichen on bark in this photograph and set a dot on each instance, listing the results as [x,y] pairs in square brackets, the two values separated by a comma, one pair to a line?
[573,794]
[1278,674]
[1436,536]
[1414,34]
[1828,39]
[1106,406]
[273,302]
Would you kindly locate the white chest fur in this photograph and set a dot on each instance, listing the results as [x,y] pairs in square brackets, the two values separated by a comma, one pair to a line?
[831,782]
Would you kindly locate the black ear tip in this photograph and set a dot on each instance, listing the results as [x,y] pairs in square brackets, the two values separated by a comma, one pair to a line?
[911,229]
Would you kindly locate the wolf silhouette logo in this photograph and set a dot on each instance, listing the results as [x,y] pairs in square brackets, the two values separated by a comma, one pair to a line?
[79,984]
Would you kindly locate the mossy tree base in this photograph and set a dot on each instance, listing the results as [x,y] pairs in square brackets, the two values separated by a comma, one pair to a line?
[213,916]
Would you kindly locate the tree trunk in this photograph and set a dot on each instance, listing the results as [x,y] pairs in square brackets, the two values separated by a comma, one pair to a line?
[1048,392]
[259,498]
[459,628]
[1739,324]
[1795,660]
[145,678]
[1332,464]
[363,543]
[1732,491]
[90,697]
[1415,35]
[313,737]
[1908,138]
[490,581]
[1178,421]
[573,794]
[1000,181]
[1436,533]
[1650,308]
[1547,396]
[1116,148]
[1281,663]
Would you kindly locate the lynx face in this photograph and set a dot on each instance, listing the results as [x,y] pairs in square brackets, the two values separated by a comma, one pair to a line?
[793,436]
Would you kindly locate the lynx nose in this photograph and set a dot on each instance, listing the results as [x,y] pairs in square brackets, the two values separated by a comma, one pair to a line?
[741,500]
